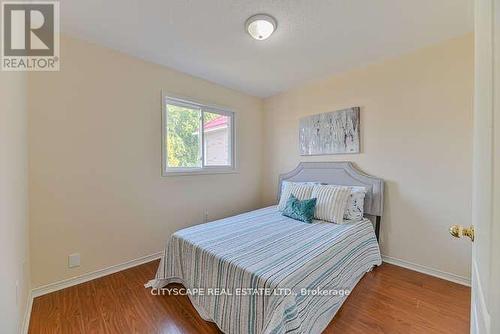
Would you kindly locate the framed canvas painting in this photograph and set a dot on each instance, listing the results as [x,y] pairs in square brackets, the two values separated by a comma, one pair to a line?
[334,132]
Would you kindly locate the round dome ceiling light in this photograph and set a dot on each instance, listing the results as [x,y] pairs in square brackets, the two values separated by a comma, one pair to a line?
[261,26]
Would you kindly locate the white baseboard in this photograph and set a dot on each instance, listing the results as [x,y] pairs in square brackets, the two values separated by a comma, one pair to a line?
[27,314]
[427,270]
[45,289]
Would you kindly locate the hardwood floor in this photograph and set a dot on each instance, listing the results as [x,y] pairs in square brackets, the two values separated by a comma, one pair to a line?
[389,299]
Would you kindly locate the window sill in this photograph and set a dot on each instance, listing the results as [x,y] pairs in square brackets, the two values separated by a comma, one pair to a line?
[184,172]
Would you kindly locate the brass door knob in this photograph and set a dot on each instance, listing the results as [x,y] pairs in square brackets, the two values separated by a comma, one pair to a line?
[459,231]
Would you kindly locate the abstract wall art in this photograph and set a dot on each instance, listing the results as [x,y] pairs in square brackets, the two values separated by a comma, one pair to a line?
[334,132]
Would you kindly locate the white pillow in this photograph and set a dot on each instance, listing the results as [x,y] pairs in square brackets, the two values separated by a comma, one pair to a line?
[284,183]
[355,204]
[331,202]
[301,190]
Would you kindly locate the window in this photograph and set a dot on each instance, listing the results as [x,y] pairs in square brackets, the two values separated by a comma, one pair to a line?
[196,138]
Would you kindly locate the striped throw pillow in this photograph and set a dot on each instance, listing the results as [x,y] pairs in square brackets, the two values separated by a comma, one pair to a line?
[331,202]
[301,191]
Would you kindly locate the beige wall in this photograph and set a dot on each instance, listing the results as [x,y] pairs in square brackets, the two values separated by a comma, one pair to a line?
[416,133]
[13,202]
[95,166]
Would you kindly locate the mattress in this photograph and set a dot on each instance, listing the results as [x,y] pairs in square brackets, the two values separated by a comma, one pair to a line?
[261,272]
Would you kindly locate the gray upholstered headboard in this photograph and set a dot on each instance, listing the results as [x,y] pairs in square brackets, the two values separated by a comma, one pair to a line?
[344,174]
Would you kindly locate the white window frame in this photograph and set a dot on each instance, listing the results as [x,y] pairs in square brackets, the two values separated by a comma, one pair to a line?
[176,171]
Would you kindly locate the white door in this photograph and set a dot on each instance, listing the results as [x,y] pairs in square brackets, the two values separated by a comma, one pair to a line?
[485,306]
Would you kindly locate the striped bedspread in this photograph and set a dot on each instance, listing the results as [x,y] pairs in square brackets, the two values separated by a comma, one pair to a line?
[261,272]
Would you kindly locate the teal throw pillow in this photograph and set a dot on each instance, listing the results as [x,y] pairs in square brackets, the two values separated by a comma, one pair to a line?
[300,210]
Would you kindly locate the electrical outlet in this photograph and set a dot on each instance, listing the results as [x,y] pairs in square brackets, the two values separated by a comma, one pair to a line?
[74,260]
[205,217]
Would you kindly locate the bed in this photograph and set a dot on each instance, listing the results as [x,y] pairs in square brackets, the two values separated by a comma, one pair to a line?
[261,272]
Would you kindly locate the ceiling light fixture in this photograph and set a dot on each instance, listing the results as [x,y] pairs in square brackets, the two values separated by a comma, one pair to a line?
[261,26]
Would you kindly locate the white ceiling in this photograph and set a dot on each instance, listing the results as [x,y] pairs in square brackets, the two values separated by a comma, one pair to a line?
[314,39]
